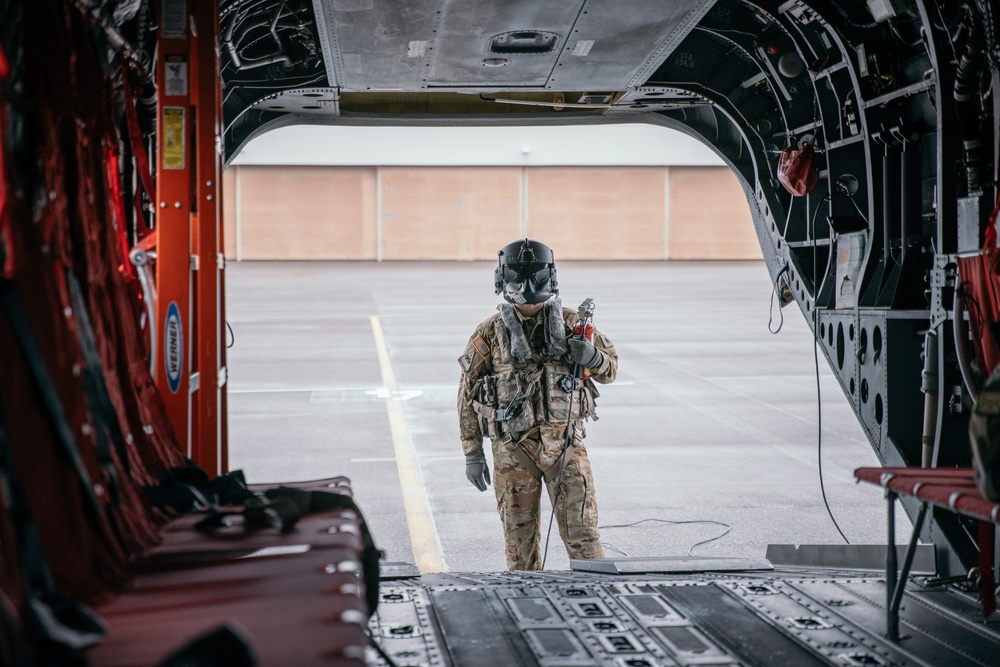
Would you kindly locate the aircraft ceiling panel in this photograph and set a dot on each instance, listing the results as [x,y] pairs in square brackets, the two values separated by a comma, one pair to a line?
[413,45]
[497,45]
[613,44]
[380,46]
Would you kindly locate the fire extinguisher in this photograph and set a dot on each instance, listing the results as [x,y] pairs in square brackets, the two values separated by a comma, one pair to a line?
[584,330]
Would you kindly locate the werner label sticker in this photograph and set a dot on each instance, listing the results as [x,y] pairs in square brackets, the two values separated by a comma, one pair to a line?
[173,347]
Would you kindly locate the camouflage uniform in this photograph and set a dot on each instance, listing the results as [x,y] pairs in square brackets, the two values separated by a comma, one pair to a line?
[539,430]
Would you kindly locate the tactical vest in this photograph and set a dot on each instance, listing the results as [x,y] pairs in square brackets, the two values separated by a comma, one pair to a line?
[528,392]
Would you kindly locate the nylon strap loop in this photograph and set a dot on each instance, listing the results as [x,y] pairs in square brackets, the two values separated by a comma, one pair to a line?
[11,302]
[138,148]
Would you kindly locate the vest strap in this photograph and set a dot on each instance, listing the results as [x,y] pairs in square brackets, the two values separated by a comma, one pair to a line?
[525,459]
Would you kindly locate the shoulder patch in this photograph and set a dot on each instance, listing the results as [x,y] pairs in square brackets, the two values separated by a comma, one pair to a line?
[481,347]
[465,361]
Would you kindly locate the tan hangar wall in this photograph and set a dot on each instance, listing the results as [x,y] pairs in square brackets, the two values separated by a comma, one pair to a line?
[466,213]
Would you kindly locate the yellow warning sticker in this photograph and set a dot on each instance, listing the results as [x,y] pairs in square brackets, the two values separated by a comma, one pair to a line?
[173,138]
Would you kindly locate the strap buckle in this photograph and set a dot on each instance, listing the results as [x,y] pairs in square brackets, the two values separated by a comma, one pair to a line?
[513,409]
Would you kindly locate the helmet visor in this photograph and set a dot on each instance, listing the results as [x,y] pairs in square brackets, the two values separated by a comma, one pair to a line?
[527,283]
[521,273]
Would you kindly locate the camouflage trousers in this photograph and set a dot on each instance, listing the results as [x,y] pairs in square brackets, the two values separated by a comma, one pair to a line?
[518,494]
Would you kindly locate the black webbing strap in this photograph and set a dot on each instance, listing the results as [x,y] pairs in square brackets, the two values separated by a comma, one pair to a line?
[98,400]
[67,625]
[257,512]
[11,303]
[138,150]
[188,489]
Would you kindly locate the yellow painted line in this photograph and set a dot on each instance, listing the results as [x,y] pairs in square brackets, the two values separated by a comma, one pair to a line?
[423,534]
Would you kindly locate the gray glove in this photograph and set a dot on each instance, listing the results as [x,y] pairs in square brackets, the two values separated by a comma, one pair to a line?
[476,470]
[585,354]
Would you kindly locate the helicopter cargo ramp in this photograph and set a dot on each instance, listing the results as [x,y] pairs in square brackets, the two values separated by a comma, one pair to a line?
[791,617]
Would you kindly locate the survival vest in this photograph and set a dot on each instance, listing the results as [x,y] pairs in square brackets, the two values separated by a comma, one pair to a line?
[532,382]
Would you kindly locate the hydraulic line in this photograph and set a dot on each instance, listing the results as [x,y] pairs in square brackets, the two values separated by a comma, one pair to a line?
[967,102]
[962,342]
[929,385]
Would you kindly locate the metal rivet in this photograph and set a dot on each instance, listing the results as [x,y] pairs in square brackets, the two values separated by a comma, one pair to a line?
[163,204]
[177,204]
[98,490]
[353,616]
[86,429]
[209,197]
[208,183]
[67,312]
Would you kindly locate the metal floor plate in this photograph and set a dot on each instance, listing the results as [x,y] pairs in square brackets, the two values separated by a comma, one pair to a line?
[668,565]
[584,619]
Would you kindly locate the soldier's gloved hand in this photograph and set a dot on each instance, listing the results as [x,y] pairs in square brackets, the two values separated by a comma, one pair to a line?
[585,354]
[476,470]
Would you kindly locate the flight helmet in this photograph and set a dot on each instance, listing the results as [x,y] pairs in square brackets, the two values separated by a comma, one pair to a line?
[526,272]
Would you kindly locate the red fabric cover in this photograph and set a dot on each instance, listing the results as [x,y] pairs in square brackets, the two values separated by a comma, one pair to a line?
[83,554]
[797,171]
[6,263]
[300,609]
[291,607]
[67,217]
[11,584]
[953,488]
[4,66]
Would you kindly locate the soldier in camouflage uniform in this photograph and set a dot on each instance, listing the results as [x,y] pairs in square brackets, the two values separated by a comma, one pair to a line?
[517,388]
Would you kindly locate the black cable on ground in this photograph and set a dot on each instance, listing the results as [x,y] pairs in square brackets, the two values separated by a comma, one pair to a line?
[819,400]
[727,530]
[819,440]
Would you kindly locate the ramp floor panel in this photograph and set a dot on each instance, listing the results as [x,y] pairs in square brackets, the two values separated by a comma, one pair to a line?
[585,619]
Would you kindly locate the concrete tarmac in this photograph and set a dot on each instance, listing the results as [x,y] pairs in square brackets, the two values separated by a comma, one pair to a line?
[350,368]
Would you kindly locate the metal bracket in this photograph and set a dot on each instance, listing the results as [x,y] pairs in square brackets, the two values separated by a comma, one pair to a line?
[942,275]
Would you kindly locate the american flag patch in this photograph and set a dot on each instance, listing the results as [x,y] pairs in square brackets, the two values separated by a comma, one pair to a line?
[481,347]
